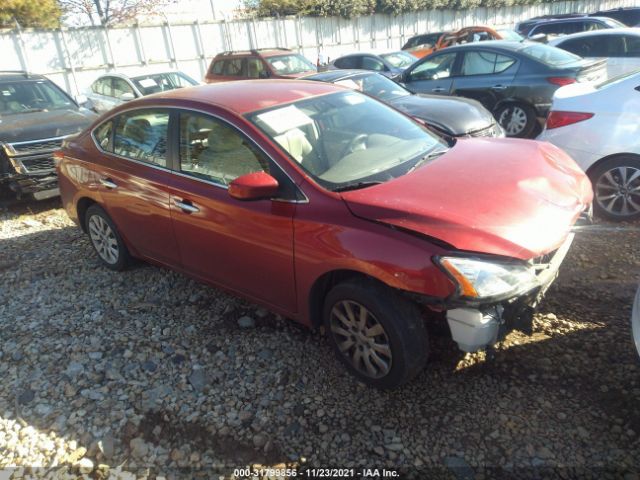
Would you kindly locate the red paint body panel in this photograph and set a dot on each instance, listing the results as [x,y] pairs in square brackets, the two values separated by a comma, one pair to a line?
[506,197]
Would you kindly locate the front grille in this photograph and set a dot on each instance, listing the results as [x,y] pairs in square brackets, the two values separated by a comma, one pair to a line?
[39,146]
[34,156]
[37,164]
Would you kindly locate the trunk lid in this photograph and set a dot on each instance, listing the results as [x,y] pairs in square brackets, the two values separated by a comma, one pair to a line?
[516,198]
[592,71]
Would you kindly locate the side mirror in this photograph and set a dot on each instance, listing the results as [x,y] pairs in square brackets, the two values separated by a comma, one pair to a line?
[539,37]
[253,186]
[127,96]
[263,74]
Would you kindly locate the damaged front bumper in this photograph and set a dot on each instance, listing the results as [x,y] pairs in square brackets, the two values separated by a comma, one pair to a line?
[475,327]
[28,168]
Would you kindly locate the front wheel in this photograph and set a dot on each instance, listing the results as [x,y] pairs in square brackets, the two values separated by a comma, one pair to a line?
[378,335]
[517,119]
[616,188]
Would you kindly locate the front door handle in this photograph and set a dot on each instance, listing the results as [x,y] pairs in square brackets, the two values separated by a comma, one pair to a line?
[107,182]
[499,87]
[438,90]
[186,206]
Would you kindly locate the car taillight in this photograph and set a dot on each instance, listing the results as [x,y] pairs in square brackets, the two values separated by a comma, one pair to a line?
[560,119]
[561,81]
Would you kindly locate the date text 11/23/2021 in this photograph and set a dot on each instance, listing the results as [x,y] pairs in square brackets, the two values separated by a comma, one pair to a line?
[284,473]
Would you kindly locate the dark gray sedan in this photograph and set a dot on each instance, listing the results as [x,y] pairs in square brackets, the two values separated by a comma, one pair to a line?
[456,117]
[514,80]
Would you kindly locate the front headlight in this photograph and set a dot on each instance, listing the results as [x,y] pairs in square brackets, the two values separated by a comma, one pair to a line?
[484,279]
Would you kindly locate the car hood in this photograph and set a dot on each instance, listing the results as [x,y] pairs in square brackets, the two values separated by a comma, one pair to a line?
[293,76]
[517,198]
[455,116]
[23,127]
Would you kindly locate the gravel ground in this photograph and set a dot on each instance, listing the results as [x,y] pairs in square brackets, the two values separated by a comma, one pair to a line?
[147,373]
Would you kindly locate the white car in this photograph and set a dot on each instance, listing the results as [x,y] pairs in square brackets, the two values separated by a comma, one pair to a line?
[599,126]
[620,46]
[112,89]
[635,321]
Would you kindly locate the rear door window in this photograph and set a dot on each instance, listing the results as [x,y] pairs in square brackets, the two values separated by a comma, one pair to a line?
[348,62]
[592,46]
[235,67]
[632,46]
[256,69]
[372,63]
[485,63]
[142,135]
[217,67]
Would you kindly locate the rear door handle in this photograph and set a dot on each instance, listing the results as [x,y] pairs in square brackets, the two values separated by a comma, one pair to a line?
[107,182]
[186,206]
[438,90]
[499,87]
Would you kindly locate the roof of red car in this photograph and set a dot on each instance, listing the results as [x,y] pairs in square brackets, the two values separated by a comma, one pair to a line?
[249,95]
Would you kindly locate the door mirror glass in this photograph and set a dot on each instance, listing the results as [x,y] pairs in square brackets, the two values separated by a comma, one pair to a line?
[127,96]
[253,186]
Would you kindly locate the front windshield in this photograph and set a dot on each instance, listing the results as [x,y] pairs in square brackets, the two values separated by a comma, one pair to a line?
[26,96]
[399,59]
[162,82]
[347,139]
[376,85]
[550,56]
[290,64]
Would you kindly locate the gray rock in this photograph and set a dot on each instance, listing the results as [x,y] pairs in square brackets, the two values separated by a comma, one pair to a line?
[265,354]
[92,394]
[139,448]
[95,355]
[149,366]
[26,396]
[198,380]
[459,467]
[246,322]
[259,440]
[107,446]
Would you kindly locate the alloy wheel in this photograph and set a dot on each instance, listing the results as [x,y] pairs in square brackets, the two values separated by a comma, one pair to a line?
[361,338]
[104,239]
[618,191]
[513,119]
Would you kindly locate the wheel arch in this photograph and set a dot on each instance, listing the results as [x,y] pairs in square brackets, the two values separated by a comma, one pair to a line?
[606,158]
[323,285]
[513,100]
[82,205]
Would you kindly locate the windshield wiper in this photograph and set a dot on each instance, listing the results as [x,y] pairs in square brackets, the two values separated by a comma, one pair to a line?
[426,158]
[355,186]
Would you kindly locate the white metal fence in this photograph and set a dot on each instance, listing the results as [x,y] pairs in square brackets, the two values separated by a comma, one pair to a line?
[73,57]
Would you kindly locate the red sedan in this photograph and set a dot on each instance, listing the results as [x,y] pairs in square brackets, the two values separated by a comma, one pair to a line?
[330,208]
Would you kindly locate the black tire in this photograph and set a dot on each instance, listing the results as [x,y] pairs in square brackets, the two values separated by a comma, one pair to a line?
[611,194]
[106,239]
[404,333]
[517,119]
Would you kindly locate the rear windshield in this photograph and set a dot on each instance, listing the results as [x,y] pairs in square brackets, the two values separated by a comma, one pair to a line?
[25,96]
[290,64]
[550,56]
[161,82]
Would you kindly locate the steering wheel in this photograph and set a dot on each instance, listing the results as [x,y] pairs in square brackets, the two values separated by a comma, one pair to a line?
[359,142]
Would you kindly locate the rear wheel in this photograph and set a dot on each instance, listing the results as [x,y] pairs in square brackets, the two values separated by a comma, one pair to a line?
[517,119]
[616,188]
[105,239]
[378,335]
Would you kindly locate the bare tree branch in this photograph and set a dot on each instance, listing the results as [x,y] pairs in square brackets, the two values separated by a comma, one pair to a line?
[111,12]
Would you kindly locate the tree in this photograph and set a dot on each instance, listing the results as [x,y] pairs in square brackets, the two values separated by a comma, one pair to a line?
[110,12]
[27,13]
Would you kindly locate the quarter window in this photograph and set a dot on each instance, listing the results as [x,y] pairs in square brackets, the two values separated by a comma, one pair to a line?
[213,150]
[485,63]
[142,135]
[216,69]
[103,136]
[102,86]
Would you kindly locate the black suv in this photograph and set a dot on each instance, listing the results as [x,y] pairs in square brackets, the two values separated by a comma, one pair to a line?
[35,117]
[630,16]
[565,25]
